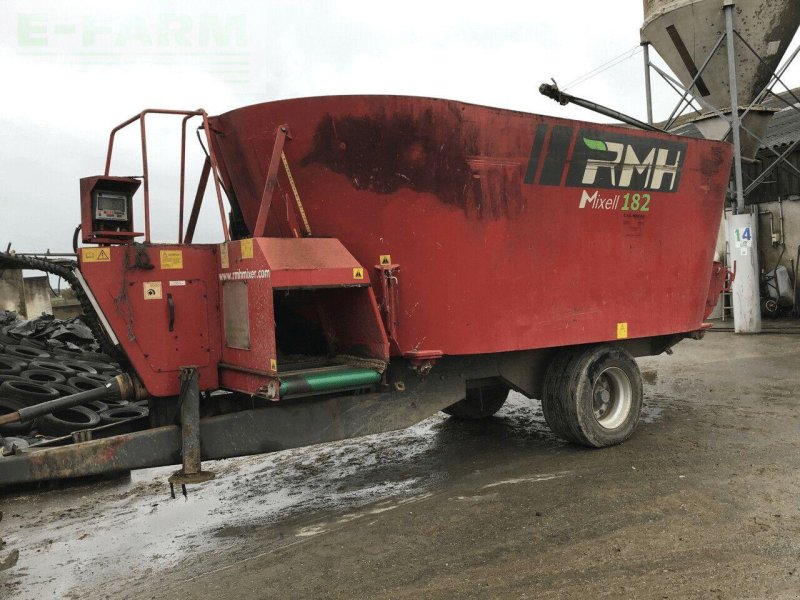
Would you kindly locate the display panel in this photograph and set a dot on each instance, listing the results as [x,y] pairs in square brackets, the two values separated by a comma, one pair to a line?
[111,206]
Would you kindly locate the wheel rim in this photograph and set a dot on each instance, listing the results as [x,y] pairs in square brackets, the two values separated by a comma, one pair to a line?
[612,398]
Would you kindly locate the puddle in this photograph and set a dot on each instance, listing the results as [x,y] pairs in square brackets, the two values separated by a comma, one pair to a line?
[79,538]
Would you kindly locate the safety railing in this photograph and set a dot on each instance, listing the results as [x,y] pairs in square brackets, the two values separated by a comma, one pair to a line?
[209,167]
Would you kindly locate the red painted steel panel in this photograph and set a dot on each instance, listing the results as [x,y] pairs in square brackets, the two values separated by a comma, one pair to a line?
[512,230]
[134,286]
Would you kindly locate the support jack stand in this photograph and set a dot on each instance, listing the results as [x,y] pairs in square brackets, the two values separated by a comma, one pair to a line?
[189,401]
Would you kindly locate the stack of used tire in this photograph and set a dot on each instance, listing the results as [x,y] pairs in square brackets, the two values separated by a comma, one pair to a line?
[33,369]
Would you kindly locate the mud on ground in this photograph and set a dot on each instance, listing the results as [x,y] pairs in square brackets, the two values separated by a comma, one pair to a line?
[703,502]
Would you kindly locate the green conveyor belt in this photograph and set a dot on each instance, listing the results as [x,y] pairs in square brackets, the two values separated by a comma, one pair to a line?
[315,383]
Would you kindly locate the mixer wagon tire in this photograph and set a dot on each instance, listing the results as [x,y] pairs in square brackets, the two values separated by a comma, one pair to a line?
[479,403]
[593,395]
[64,422]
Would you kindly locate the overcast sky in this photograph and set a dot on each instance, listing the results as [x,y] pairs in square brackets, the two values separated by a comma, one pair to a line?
[73,70]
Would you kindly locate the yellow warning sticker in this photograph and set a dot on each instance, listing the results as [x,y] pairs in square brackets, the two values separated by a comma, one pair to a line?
[96,254]
[386,259]
[172,259]
[223,255]
[358,273]
[622,331]
[273,364]
[247,248]
[152,290]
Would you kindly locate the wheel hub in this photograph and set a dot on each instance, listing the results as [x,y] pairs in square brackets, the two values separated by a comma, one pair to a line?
[611,398]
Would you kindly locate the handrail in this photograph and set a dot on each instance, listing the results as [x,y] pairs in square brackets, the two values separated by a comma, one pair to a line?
[187,114]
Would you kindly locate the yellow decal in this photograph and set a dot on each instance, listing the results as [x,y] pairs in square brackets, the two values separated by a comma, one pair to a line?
[358,273]
[223,255]
[96,254]
[152,290]
[622,331]
[172,259]
[273,364]
[247,248]
[386,259]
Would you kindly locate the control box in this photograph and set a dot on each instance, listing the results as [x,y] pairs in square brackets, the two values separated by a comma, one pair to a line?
[107,209]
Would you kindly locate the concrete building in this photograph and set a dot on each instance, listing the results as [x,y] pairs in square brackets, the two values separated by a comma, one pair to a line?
[31,296]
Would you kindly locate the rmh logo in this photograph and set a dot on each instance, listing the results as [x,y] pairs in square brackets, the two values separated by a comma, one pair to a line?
[625,166]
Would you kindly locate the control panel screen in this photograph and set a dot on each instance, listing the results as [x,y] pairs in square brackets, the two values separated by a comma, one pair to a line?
[111,206]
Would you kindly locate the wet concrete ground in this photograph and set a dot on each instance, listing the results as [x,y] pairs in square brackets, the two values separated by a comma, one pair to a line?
[703,502]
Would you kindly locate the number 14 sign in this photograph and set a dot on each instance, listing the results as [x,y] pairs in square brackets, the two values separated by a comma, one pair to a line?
[744,239]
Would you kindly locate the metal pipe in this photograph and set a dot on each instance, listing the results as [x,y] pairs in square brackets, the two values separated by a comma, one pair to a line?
[711,54]
[215,170]
[552,91]
[676,86]
[768,171]
[647,88]
[145,180]
[771,224]
[737,143]
[183,178]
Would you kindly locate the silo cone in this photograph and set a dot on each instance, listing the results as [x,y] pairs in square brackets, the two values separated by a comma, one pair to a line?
[684,32]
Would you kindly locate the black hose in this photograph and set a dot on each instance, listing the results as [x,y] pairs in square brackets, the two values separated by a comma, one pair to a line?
[75,239]
[29,413]
[66,270]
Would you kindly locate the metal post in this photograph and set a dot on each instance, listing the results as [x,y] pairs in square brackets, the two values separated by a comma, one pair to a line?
[735,123]
[742,228]
[647,88]
[190,431]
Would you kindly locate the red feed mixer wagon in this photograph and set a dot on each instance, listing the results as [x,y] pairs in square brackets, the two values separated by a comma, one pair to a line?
[385,258]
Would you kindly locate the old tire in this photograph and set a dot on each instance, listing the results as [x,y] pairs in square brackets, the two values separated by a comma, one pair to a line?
[63,389]
[79,368]
[10,405]
[53,365]
[26,353]
[479,403]
[11,365]
[593,395]
[84,384]
[64,422]
[43,376]
[122,413]
[28,392]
